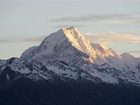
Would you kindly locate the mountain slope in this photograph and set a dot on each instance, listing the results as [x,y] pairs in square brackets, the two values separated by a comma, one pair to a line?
[27,92]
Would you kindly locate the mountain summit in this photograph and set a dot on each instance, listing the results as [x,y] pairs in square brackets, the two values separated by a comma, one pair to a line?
[64,44]
[69,45]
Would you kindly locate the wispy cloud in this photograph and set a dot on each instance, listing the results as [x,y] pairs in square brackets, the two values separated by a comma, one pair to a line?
[33,39]
[108,38]
[21,39]
[135,52]
[60,26]
[116,18]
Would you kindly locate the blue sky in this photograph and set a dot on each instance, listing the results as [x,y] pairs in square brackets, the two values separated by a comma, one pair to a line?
[24,23]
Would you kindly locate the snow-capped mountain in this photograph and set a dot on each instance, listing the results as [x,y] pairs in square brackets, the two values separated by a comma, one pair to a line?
[68,55]
[66,69]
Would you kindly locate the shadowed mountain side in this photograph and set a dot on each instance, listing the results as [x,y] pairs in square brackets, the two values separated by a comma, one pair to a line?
[28,92]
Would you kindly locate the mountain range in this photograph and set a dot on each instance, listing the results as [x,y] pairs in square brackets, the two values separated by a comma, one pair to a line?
[67,69]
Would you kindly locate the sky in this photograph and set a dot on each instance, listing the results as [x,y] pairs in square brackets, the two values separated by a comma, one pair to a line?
[114,23]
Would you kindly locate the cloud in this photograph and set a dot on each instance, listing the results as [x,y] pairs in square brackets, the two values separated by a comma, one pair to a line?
[33,39]
[108,38]
[21,39]
[135,52]
[7,39]
[60,26]
[114,19]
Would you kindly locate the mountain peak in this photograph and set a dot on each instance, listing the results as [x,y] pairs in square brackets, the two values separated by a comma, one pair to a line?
[70,35]
[68,28]
[78,40]
[71,31]
[125,54]
[66,44]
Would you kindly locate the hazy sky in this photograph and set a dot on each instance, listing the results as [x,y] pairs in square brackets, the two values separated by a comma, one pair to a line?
[24,23]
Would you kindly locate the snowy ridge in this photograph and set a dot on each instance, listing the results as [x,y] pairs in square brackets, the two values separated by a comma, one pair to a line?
[67,54]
